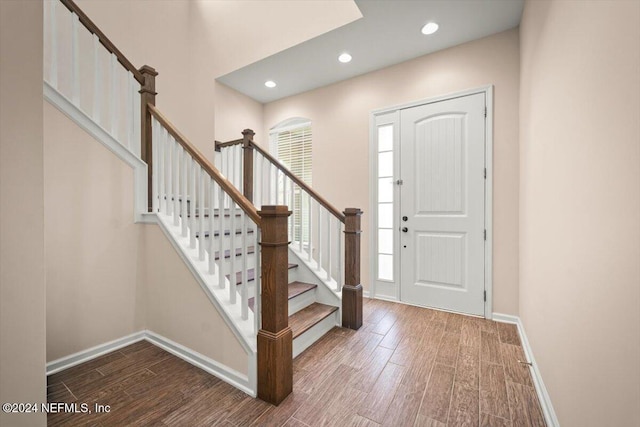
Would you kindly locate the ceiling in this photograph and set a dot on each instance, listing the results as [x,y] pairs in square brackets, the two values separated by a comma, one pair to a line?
[387,34]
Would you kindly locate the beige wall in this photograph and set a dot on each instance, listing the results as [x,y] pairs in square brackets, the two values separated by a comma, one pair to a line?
[340,114]
[92,245]
[234,112]
[178,308]
[580,206]
[22,276]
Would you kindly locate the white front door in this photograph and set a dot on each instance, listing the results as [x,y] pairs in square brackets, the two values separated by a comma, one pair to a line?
[442,230]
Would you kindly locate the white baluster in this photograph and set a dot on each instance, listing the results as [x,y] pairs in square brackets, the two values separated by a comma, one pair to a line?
[221,196]
[97,79]
[329,232]
[245,282]
[340,257]
[319,221]
[136,118]
[232,252]
[137,121]
[240,167]
[193,205]
[75,61]
[201,241]
[257,179]
[212,197]
[268,183]
[184,182]
[234,169]
[224,162]
[177,197]
[131,118]
[154,157]
[277,186]
[159,166]
[264,182]
[53,21]
[169,173]
[293,212]
[257,301]
[301,222]
[309,227]
[113,113]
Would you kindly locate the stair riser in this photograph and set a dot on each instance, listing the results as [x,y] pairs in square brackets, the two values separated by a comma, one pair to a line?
[301,301]
[303,341]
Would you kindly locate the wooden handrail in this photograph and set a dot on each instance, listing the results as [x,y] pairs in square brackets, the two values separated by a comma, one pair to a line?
[93,28]
[237,197]
[220,145]
[328,206]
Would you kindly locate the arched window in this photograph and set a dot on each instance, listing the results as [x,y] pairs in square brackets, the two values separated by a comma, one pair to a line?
[290,143]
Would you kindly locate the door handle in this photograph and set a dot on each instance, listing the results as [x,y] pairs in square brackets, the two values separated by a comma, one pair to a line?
[405,229]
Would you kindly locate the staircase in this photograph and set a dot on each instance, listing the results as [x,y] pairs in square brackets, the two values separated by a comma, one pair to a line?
[280,264]
[309,319]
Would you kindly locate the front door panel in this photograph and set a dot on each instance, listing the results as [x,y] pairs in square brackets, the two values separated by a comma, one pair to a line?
[442,166]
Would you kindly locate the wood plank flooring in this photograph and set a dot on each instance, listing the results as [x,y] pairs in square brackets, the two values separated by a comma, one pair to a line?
[407,366]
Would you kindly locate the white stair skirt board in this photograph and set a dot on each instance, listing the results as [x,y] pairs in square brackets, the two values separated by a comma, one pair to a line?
[226,374]
[543,396]
[313,334]
[85,122]
[231,313]
[302,301]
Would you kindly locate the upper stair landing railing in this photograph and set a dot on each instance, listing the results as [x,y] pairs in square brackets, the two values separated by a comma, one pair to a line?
[186,193]
[83,65]
[316,227]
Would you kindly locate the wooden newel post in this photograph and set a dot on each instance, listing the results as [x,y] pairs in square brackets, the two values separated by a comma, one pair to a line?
[247,149]
[352,289]
[148,94]
[275,339]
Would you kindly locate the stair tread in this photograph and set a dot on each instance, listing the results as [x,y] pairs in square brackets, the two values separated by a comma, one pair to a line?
[298,288]
[306,318]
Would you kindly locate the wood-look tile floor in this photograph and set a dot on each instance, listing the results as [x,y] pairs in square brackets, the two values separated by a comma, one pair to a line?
[407,366]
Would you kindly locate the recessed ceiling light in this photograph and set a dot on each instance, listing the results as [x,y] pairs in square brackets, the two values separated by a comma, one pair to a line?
[270,84]
[430,28]
[344,58]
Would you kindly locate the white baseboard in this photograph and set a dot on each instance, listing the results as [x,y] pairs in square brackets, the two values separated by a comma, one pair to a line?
[92,353]
[225,373]
[217,369]
[543,396]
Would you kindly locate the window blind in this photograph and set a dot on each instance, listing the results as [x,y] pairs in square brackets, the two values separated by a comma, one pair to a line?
[293,149]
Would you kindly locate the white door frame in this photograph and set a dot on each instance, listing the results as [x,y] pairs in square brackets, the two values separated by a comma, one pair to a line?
[488,202]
